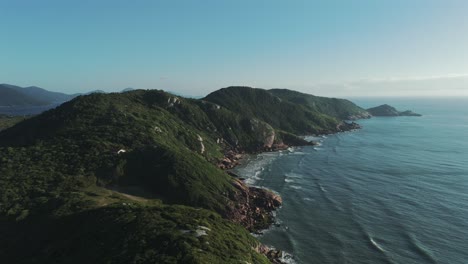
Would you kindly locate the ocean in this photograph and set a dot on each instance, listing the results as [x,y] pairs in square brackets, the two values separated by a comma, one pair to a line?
[395,191]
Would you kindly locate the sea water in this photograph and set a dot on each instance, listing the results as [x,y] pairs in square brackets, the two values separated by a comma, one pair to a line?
[395,191]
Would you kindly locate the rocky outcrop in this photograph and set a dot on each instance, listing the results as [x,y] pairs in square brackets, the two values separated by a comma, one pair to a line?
[360,115]
[387,110]
[202,146]
[253,207]
[230,160]
[274,255]
[173,101]
[269,140]
[347,126]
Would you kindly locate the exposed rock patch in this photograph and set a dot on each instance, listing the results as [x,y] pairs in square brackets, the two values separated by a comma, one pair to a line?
[230,160]
[202,146]
[347,126]
[253,207]
[361,115]
[274,255]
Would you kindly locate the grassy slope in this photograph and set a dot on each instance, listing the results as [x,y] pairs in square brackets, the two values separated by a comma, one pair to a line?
[9,121]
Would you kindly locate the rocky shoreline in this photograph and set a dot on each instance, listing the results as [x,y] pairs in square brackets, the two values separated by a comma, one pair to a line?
[254,206]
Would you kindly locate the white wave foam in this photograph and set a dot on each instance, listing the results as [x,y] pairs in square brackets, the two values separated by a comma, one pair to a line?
[296,187]
[257,173]
[250,181]
[288,180]
[322,188]
[287,258]
[293,175]
[375,244]
[298,153]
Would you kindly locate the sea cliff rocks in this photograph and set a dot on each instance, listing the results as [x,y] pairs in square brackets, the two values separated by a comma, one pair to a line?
[274,255]
[253,207]
[347,126]
[230,160]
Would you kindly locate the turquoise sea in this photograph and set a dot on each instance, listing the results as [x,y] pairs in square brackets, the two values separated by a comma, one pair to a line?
[395,191]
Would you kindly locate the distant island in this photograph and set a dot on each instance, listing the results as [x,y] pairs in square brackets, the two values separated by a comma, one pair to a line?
[387,110]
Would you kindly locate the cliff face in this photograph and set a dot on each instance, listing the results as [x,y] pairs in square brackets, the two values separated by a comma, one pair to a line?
[387,110]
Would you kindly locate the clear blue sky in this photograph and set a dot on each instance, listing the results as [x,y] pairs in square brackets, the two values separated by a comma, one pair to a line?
[336,48]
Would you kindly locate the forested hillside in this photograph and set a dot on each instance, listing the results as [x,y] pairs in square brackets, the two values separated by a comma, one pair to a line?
[136,176]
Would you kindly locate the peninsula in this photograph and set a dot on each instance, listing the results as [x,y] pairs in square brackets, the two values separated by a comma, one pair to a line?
[141,175]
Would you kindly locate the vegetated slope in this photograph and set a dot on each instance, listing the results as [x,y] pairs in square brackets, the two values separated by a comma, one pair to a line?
[161,151]
[279,113]
[108,169]
[11,96]
[340,108]
[63,163]
[130,233]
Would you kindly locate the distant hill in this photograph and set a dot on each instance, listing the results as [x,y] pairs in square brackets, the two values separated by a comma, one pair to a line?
[11,95]
[48,96]
[127,90]
[93,91]
[339,108]
[387,110]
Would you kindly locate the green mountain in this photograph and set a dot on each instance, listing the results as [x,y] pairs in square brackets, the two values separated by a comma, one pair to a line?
[12,95]
[134,177]
[287,110]
[339,108]
[44,95]
[387,110]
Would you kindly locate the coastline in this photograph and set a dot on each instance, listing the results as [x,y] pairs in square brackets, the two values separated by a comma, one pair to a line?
[255,207]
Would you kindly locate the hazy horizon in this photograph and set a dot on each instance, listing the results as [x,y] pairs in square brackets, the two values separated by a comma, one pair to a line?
[327,48]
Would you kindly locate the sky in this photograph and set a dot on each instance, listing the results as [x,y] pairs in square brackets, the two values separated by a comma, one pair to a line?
[330,47]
